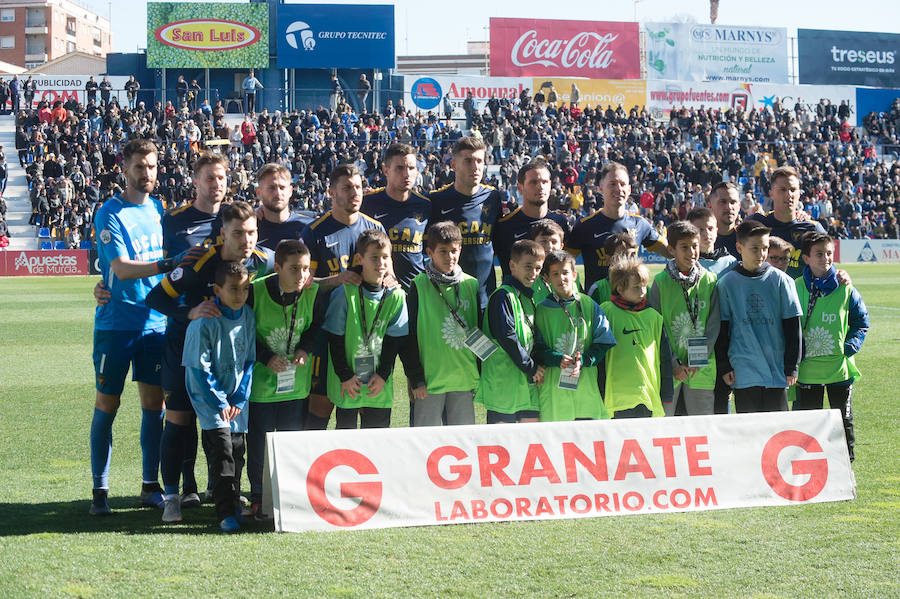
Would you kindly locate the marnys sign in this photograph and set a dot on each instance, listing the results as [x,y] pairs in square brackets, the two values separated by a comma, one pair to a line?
[340,480]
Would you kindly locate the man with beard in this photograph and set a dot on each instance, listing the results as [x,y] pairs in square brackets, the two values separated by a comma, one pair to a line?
[591,232]
[198,222]
[475,209]
[126,331]
[533,183]
[186,294]
[725,203]
[276,220]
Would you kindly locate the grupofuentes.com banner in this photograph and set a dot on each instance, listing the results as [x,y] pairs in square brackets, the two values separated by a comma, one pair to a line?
[343,480]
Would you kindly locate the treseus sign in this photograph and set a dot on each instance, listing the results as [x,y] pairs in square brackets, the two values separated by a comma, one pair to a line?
[848,57]
[340,480]
[319,36]
[557,48]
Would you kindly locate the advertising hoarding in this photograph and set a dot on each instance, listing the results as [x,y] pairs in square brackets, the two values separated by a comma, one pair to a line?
[694,52]
[873,100]
[426,92]
[43,263]
[558,48]
[594,92]
[346,480]
[214,35]
[848,57]
[51,88]
[664,96]
[348,36]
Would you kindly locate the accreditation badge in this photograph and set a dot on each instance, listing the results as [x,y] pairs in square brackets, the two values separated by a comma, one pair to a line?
[285,380]
[698,356]
[364,367]
[480,344]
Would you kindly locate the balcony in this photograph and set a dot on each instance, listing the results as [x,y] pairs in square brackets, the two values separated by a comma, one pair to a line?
[42,57]
[36,30]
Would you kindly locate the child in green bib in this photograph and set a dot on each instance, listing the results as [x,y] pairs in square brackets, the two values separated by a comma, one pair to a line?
[289,311]
[685,294]
[615,246]
[835,324]
[639,367]
[443,312]
[509,375]
[366,324]
[550,236]
[571,339]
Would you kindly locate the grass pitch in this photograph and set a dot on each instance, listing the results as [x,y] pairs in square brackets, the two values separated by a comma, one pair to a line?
[50,547]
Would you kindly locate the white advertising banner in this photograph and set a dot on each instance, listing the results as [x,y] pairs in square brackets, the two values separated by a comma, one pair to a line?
[694,52]
[63,87]
[360,479]
[664,96]
[425,92]
[868,250]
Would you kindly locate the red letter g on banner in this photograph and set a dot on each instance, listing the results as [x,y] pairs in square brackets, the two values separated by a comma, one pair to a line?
[817,469]
[369,493]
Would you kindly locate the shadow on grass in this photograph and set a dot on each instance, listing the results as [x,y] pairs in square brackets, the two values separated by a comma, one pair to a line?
[71,517]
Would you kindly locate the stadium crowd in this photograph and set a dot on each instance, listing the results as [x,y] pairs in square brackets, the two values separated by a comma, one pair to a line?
[71,153]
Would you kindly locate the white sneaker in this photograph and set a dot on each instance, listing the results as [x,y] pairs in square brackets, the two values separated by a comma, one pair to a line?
[172,510]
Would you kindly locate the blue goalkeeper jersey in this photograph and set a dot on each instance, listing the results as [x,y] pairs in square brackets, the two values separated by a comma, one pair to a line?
[133,232]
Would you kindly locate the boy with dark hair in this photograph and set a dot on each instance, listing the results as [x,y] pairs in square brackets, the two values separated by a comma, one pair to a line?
[685,294]
[639,367]
[289,311]
[779,253]
[716,260]
[219,354]
[366,325]
[572,336]
[760,335]
[835,324]
[615,247]
[443,312]
[550,236]
[509,376]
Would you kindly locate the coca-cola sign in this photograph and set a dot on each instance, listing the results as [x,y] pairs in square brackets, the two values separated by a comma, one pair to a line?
[541,47]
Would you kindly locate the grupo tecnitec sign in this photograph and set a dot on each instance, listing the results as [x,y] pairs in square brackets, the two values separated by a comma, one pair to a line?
[316,36]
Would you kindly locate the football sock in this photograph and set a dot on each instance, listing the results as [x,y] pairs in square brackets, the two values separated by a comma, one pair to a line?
[151,431]
[190,440]
[171,456]
[101,447]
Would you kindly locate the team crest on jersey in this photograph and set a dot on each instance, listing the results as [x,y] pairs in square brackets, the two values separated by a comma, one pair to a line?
[818,342]
[277,340]
[176,274]
[683,329]
[105,236]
